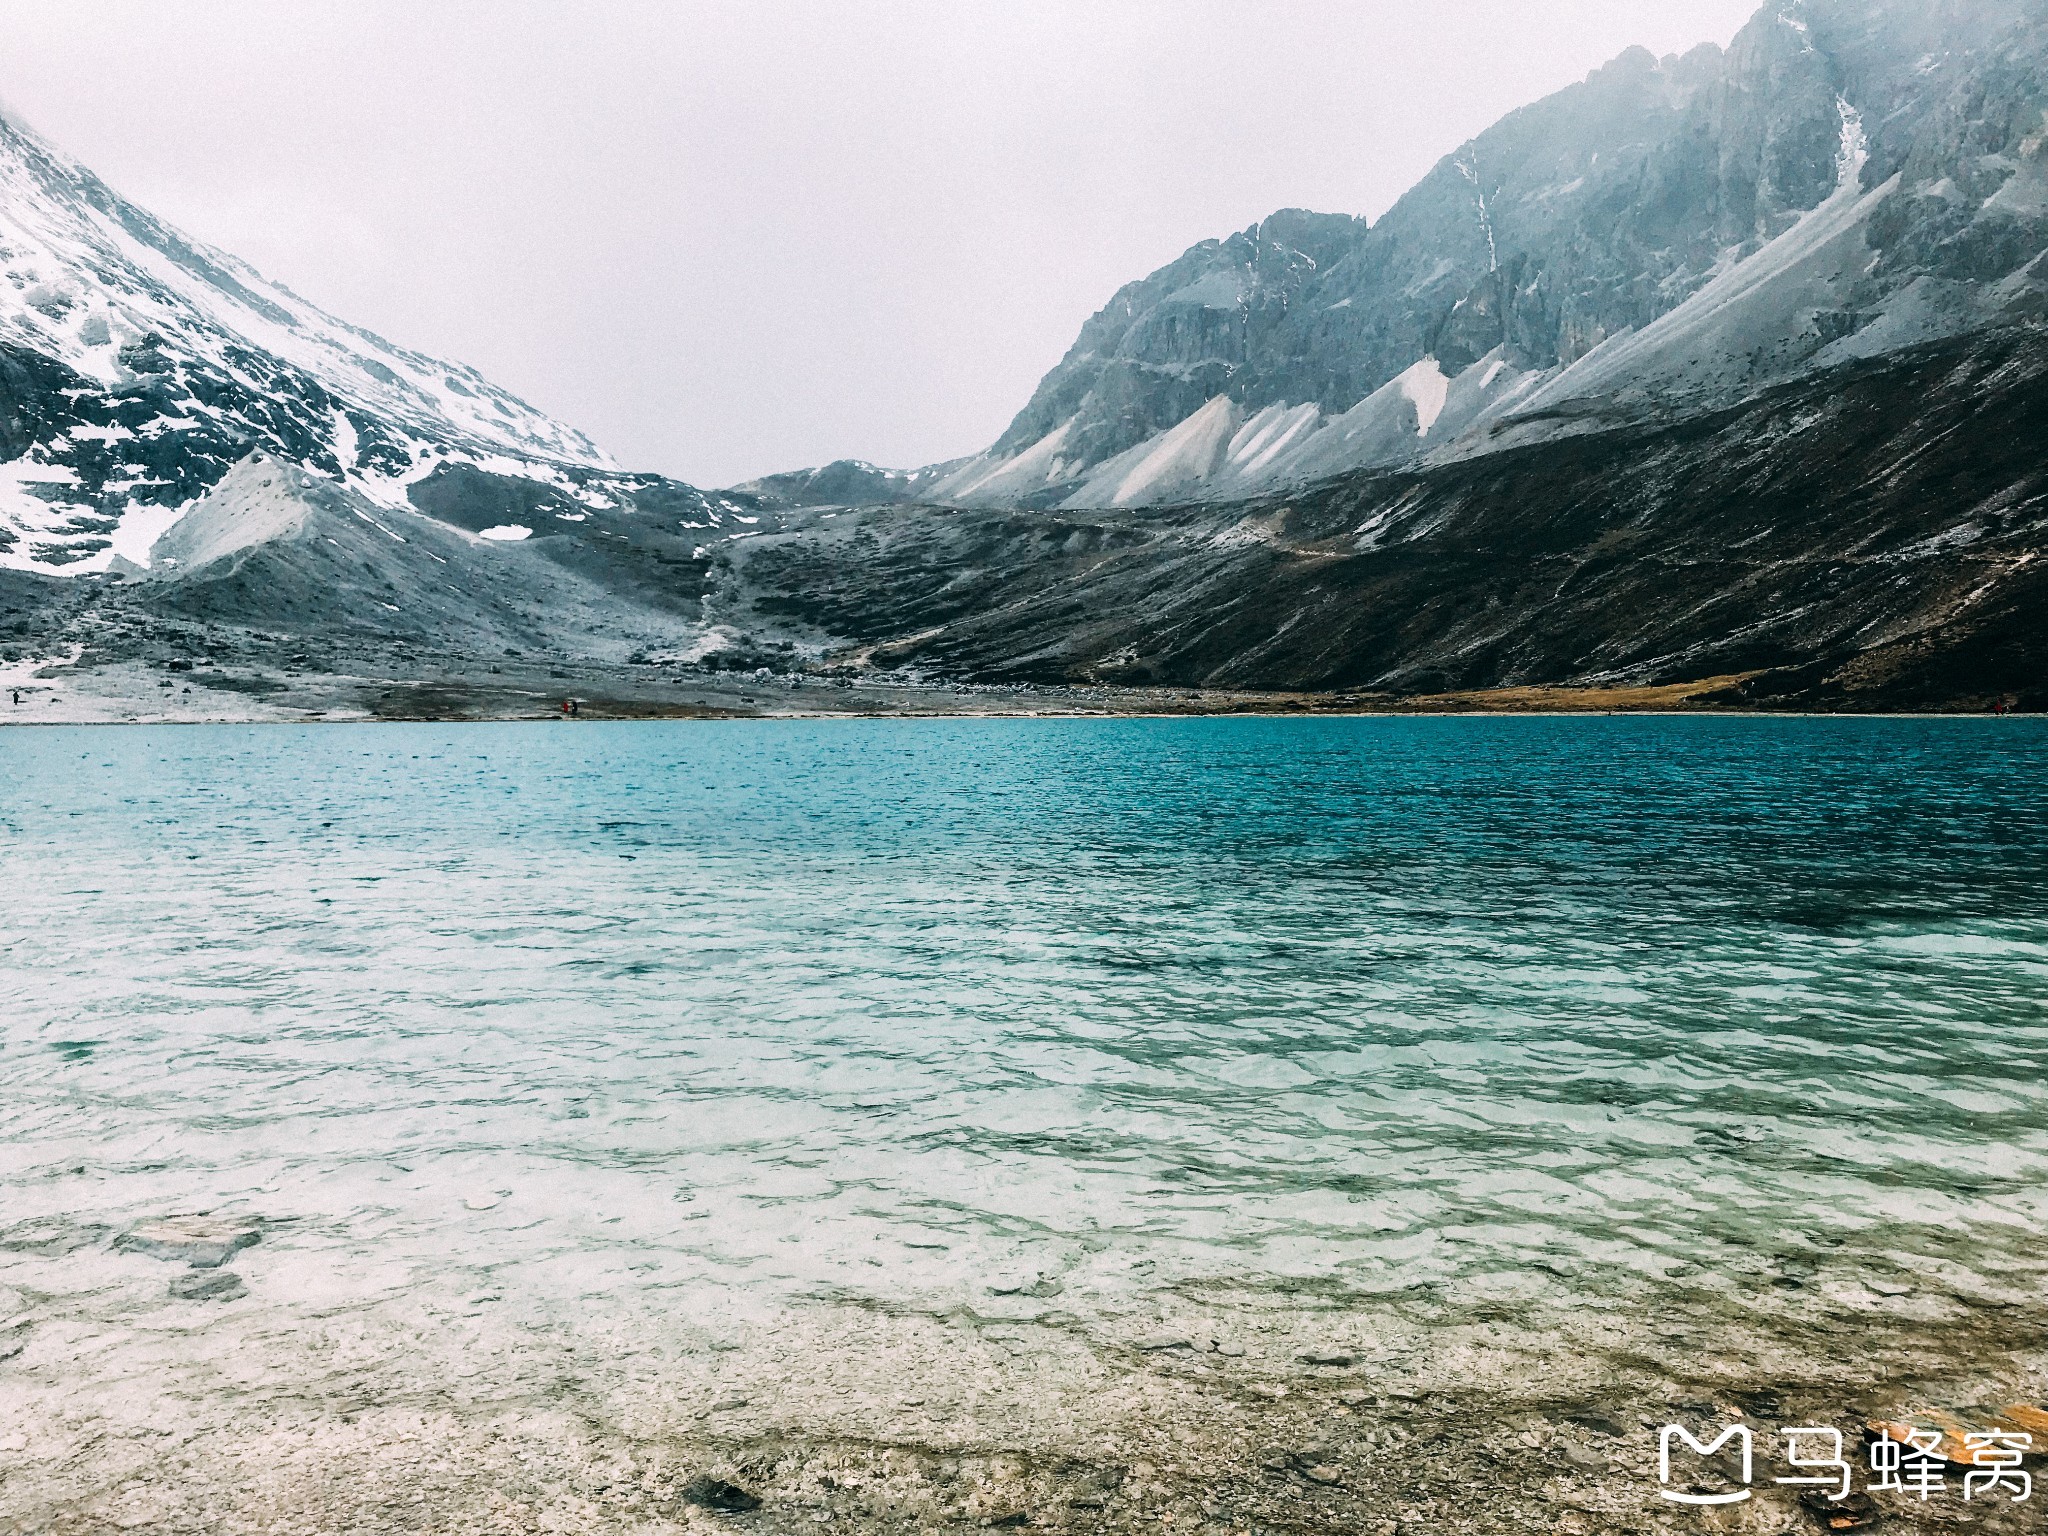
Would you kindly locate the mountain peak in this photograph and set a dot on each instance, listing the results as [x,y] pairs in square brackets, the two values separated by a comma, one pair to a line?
[140,363]
[1632,235]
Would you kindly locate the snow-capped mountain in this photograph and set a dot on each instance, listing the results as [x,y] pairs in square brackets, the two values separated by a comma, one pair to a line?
[1848,178]
[137,366]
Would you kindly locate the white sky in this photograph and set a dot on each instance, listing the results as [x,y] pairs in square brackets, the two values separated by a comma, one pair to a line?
[730,238]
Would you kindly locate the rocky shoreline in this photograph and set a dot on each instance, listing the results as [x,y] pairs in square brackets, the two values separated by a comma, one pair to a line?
[325,1395]
[258,684]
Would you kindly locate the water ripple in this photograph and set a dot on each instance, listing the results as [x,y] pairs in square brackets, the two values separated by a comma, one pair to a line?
[1375,1003]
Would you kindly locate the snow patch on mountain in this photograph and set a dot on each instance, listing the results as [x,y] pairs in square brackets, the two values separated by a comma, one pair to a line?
[1854,153]
[1267,436]
[1221,450]
[1425,387]
[143,364]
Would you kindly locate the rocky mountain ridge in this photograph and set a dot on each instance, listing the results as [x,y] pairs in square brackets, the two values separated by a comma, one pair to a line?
[1848,178]
[138,366]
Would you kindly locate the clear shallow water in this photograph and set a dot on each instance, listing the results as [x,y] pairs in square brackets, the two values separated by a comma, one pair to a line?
[1482,1008]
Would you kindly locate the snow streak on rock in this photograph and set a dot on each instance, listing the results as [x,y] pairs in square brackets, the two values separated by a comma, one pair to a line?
[1466,170]
[1855,151]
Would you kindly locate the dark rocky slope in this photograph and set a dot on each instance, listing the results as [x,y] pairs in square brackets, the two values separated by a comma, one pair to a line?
[1870,538]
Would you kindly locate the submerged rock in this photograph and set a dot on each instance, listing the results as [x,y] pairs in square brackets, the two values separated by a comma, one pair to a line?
[716,1493]
[204,1242]
[1584,1457]
[208,1285]
[1041,1287]
[51,1237]
[1850,1514]
[14,1323]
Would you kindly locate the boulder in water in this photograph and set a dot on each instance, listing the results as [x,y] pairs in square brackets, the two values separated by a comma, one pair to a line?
[204,1242]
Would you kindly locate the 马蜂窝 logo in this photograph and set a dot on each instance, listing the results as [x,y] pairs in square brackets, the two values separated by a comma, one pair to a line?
[1903,1459]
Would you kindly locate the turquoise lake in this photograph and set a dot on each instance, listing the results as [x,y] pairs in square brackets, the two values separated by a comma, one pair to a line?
[1467,1008]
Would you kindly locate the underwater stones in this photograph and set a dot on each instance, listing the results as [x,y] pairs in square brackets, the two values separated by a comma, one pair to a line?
[1584,1457]
[1850,1514]
[204,1242]
[208,1285]
[1598,1422]
[50,1237]
[1040,1287]
[14,1324]
[1316,1464]
[715,1493]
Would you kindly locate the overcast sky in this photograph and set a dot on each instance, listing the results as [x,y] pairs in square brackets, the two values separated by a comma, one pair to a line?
[732,238]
